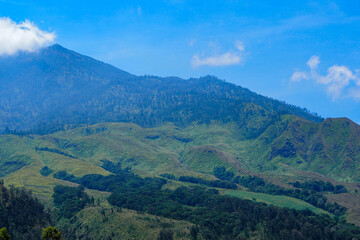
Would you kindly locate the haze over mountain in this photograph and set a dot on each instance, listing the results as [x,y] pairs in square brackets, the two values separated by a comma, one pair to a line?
[42,90]
[49,89]
[179,120]
[176,150]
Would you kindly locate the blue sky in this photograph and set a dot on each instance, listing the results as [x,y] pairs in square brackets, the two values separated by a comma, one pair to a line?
[303,52]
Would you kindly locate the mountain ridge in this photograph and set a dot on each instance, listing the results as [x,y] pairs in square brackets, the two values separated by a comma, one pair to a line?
[56,86]
[78,117]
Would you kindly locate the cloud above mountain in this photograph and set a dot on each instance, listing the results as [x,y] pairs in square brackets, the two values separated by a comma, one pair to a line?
[23,36]
[339,81]
[230,57]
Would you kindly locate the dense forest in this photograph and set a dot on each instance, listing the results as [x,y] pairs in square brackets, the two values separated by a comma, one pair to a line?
[22,214]
[218,217]
[307,191]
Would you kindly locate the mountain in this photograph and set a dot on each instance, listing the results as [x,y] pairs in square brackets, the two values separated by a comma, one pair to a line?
[330,148]
[39,86]
[43,90]
[160,157]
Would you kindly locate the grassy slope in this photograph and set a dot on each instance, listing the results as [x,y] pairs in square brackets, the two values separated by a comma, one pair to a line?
[351,202]
[330,149]
[14,147]
[109,223]
[282,201]
[192,151]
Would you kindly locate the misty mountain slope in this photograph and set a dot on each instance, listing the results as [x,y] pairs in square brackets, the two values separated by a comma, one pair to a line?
[42,90]
[35,84]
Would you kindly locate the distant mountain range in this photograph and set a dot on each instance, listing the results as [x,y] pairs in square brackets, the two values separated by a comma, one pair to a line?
[43,90]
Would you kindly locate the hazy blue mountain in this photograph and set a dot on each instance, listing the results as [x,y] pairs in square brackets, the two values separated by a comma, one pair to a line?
[45,89]
[182,147]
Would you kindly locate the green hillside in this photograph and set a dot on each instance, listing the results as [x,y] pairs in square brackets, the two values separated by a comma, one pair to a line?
[329,148]
[287,151]
[281,201]
[110,223]
[289,146]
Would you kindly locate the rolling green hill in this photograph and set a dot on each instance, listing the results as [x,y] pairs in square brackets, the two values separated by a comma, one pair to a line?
[288,146]
[330,148]
[190,151]
[110,223]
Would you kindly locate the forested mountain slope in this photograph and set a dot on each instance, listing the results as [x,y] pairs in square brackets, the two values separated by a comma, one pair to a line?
[40,91]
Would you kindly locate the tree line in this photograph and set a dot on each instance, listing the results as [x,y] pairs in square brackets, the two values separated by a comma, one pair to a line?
[218,216]
[22,216]
[307,194]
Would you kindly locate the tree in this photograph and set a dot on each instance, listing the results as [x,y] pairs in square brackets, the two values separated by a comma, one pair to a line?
[4,234]
[51,233]
[166,235]
[194,232]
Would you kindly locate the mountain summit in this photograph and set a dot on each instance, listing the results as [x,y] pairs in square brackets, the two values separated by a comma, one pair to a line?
[56,86]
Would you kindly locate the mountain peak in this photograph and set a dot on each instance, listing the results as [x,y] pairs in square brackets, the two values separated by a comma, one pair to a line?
[56,46]
[57,50]
[56,84]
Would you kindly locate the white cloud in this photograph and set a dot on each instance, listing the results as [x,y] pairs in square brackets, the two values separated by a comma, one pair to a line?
[222,60]
[23,36]
[240,46]
[298,76]
[339,81]
[225,59]
[313,62]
